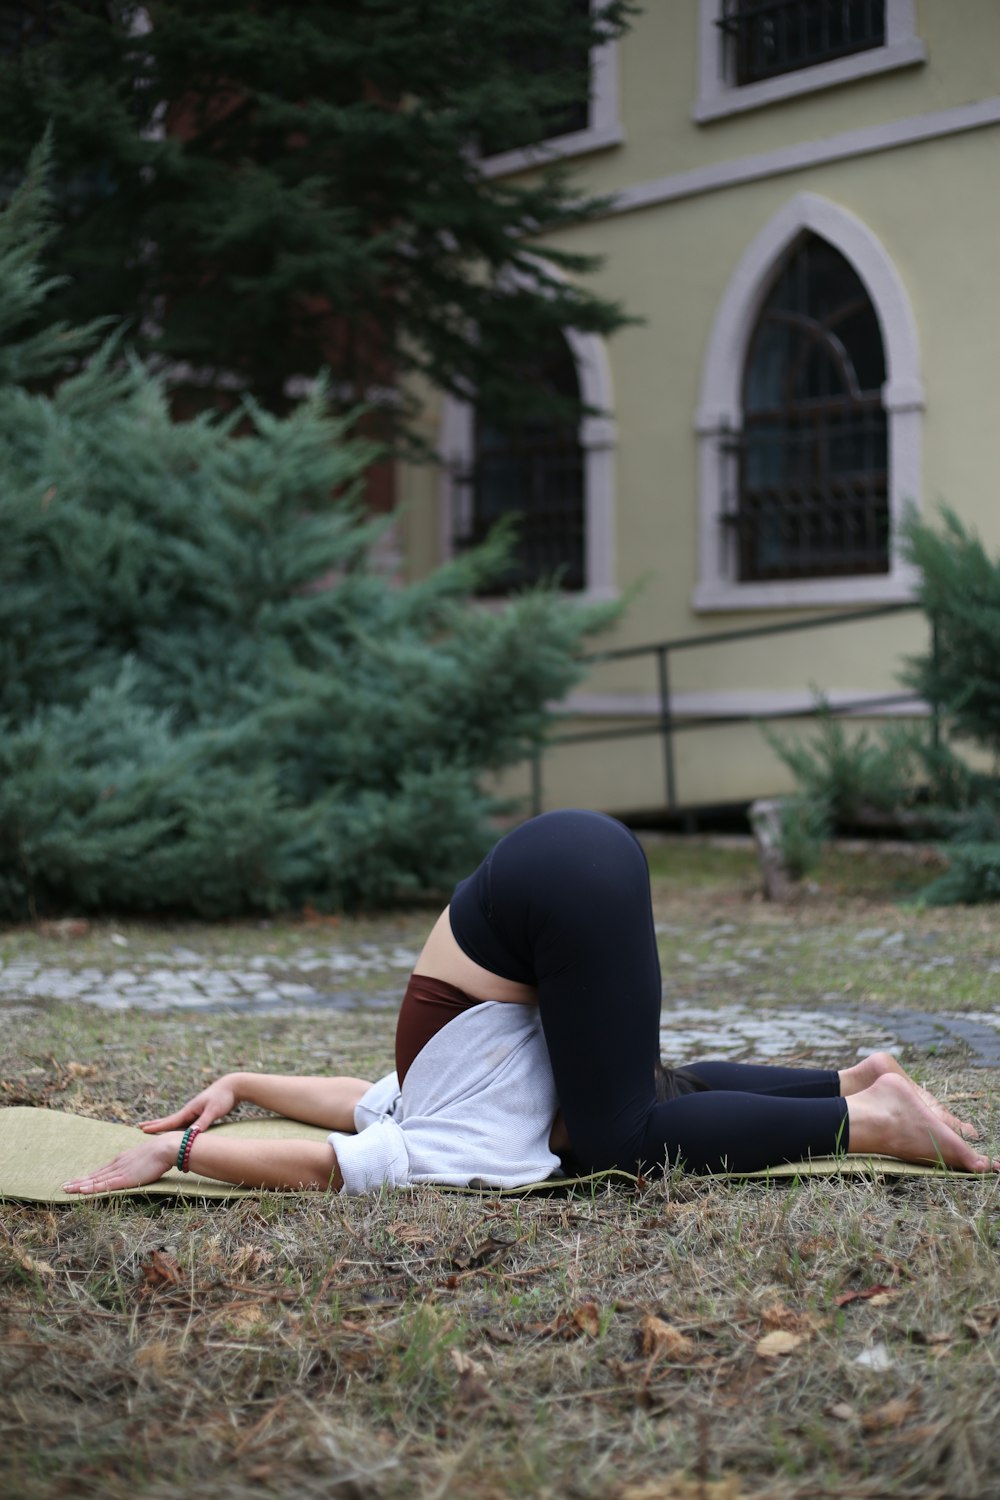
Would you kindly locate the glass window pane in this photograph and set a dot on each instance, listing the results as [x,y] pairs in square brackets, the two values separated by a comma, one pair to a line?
[532,472]
[813,474]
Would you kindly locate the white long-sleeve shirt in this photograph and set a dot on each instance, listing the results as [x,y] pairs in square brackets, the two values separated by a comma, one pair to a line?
[476,1107]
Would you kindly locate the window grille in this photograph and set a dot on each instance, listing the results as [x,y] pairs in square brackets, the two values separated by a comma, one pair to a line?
[532,472]
[764,38]
[812,458]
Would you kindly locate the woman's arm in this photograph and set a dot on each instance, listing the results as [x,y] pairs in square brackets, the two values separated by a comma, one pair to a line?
[265,1164]
[328,1102]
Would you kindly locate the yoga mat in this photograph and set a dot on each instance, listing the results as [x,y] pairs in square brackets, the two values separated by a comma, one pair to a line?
[40,1149]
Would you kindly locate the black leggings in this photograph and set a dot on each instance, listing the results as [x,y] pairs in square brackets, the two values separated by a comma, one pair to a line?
[562,903]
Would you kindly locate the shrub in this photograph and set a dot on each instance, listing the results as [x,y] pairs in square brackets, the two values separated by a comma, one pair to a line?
[899,772]
[208,701]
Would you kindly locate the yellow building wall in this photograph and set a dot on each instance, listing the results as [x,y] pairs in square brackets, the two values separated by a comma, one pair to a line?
[935,209]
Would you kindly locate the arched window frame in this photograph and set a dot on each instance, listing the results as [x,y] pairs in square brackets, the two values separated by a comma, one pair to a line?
[719,418]
[597,437]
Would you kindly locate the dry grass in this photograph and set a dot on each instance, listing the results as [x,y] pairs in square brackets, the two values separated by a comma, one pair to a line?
[427,1344]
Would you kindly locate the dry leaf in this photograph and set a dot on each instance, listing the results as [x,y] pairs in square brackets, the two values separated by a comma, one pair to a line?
[249,1260]
[465,1364]
[777,1315]
[409,1234]
[982,1321]
[660,1340]
[34,1267]
[486,1253]
[780,1342]
[472,1387]
[587,1319]
[160,1270]
[812,1243]
[500,1335]
[156,1356]
[890,1414]
[80,1070]
[842,1411]
[241,1317]
[584,1319]
[878,1290]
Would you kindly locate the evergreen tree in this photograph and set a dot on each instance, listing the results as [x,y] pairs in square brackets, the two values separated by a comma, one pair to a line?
[264,190]
[960,591]
[207,700]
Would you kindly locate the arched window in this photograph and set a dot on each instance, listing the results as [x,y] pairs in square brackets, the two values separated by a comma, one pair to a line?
[533,472]
[813,464]
[809,420]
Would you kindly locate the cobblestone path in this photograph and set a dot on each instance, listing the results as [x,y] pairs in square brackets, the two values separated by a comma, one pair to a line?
[372,975]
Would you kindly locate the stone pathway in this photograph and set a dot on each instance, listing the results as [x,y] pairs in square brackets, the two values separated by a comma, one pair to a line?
[329,980]
[181,979]
[837,1031]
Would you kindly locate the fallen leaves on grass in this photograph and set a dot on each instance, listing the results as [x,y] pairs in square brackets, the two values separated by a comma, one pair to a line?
[788,1329]
[239,1317]
[571,1323]
[890,1413]
[660,1340]
[486,1253]
[842,1411]
[248,1260]
[409,1234]
[160,1270]
[879,1294]
[777,1315]
[472,1387]
[778,1343]
[157,1356]
[982,1321]
[34,1267]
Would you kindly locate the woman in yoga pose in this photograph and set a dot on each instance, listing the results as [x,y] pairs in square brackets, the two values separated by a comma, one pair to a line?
[540,985]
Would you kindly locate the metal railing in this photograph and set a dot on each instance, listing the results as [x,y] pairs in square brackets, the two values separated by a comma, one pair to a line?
[667,725]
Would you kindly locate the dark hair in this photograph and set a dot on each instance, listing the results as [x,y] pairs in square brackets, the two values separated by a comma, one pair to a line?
[671,1083]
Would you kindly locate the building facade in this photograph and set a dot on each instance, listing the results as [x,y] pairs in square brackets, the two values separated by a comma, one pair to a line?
[804,217]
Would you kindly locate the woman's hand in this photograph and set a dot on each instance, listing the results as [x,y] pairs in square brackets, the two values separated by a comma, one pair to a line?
[203,1110]
[136,1167]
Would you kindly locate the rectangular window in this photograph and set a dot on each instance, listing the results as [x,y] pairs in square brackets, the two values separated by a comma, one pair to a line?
[766,38]
[539,485]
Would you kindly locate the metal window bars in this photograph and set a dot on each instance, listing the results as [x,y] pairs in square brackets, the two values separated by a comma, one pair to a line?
[765,38]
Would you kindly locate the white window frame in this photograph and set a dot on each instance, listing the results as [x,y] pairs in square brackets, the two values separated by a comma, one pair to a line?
[719,417]
[717,97]
[598,436]
[604,127]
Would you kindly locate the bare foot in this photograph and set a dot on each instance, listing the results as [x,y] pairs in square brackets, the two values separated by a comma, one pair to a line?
[891,1119]
[865,1073]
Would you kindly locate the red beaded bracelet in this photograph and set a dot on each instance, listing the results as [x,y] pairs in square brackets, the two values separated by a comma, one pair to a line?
[188,1143]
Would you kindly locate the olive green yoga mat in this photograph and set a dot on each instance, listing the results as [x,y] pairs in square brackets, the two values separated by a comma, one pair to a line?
[40,1149]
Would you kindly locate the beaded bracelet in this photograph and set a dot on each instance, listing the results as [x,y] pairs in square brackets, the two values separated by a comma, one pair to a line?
[184,1150]
[194,1130]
